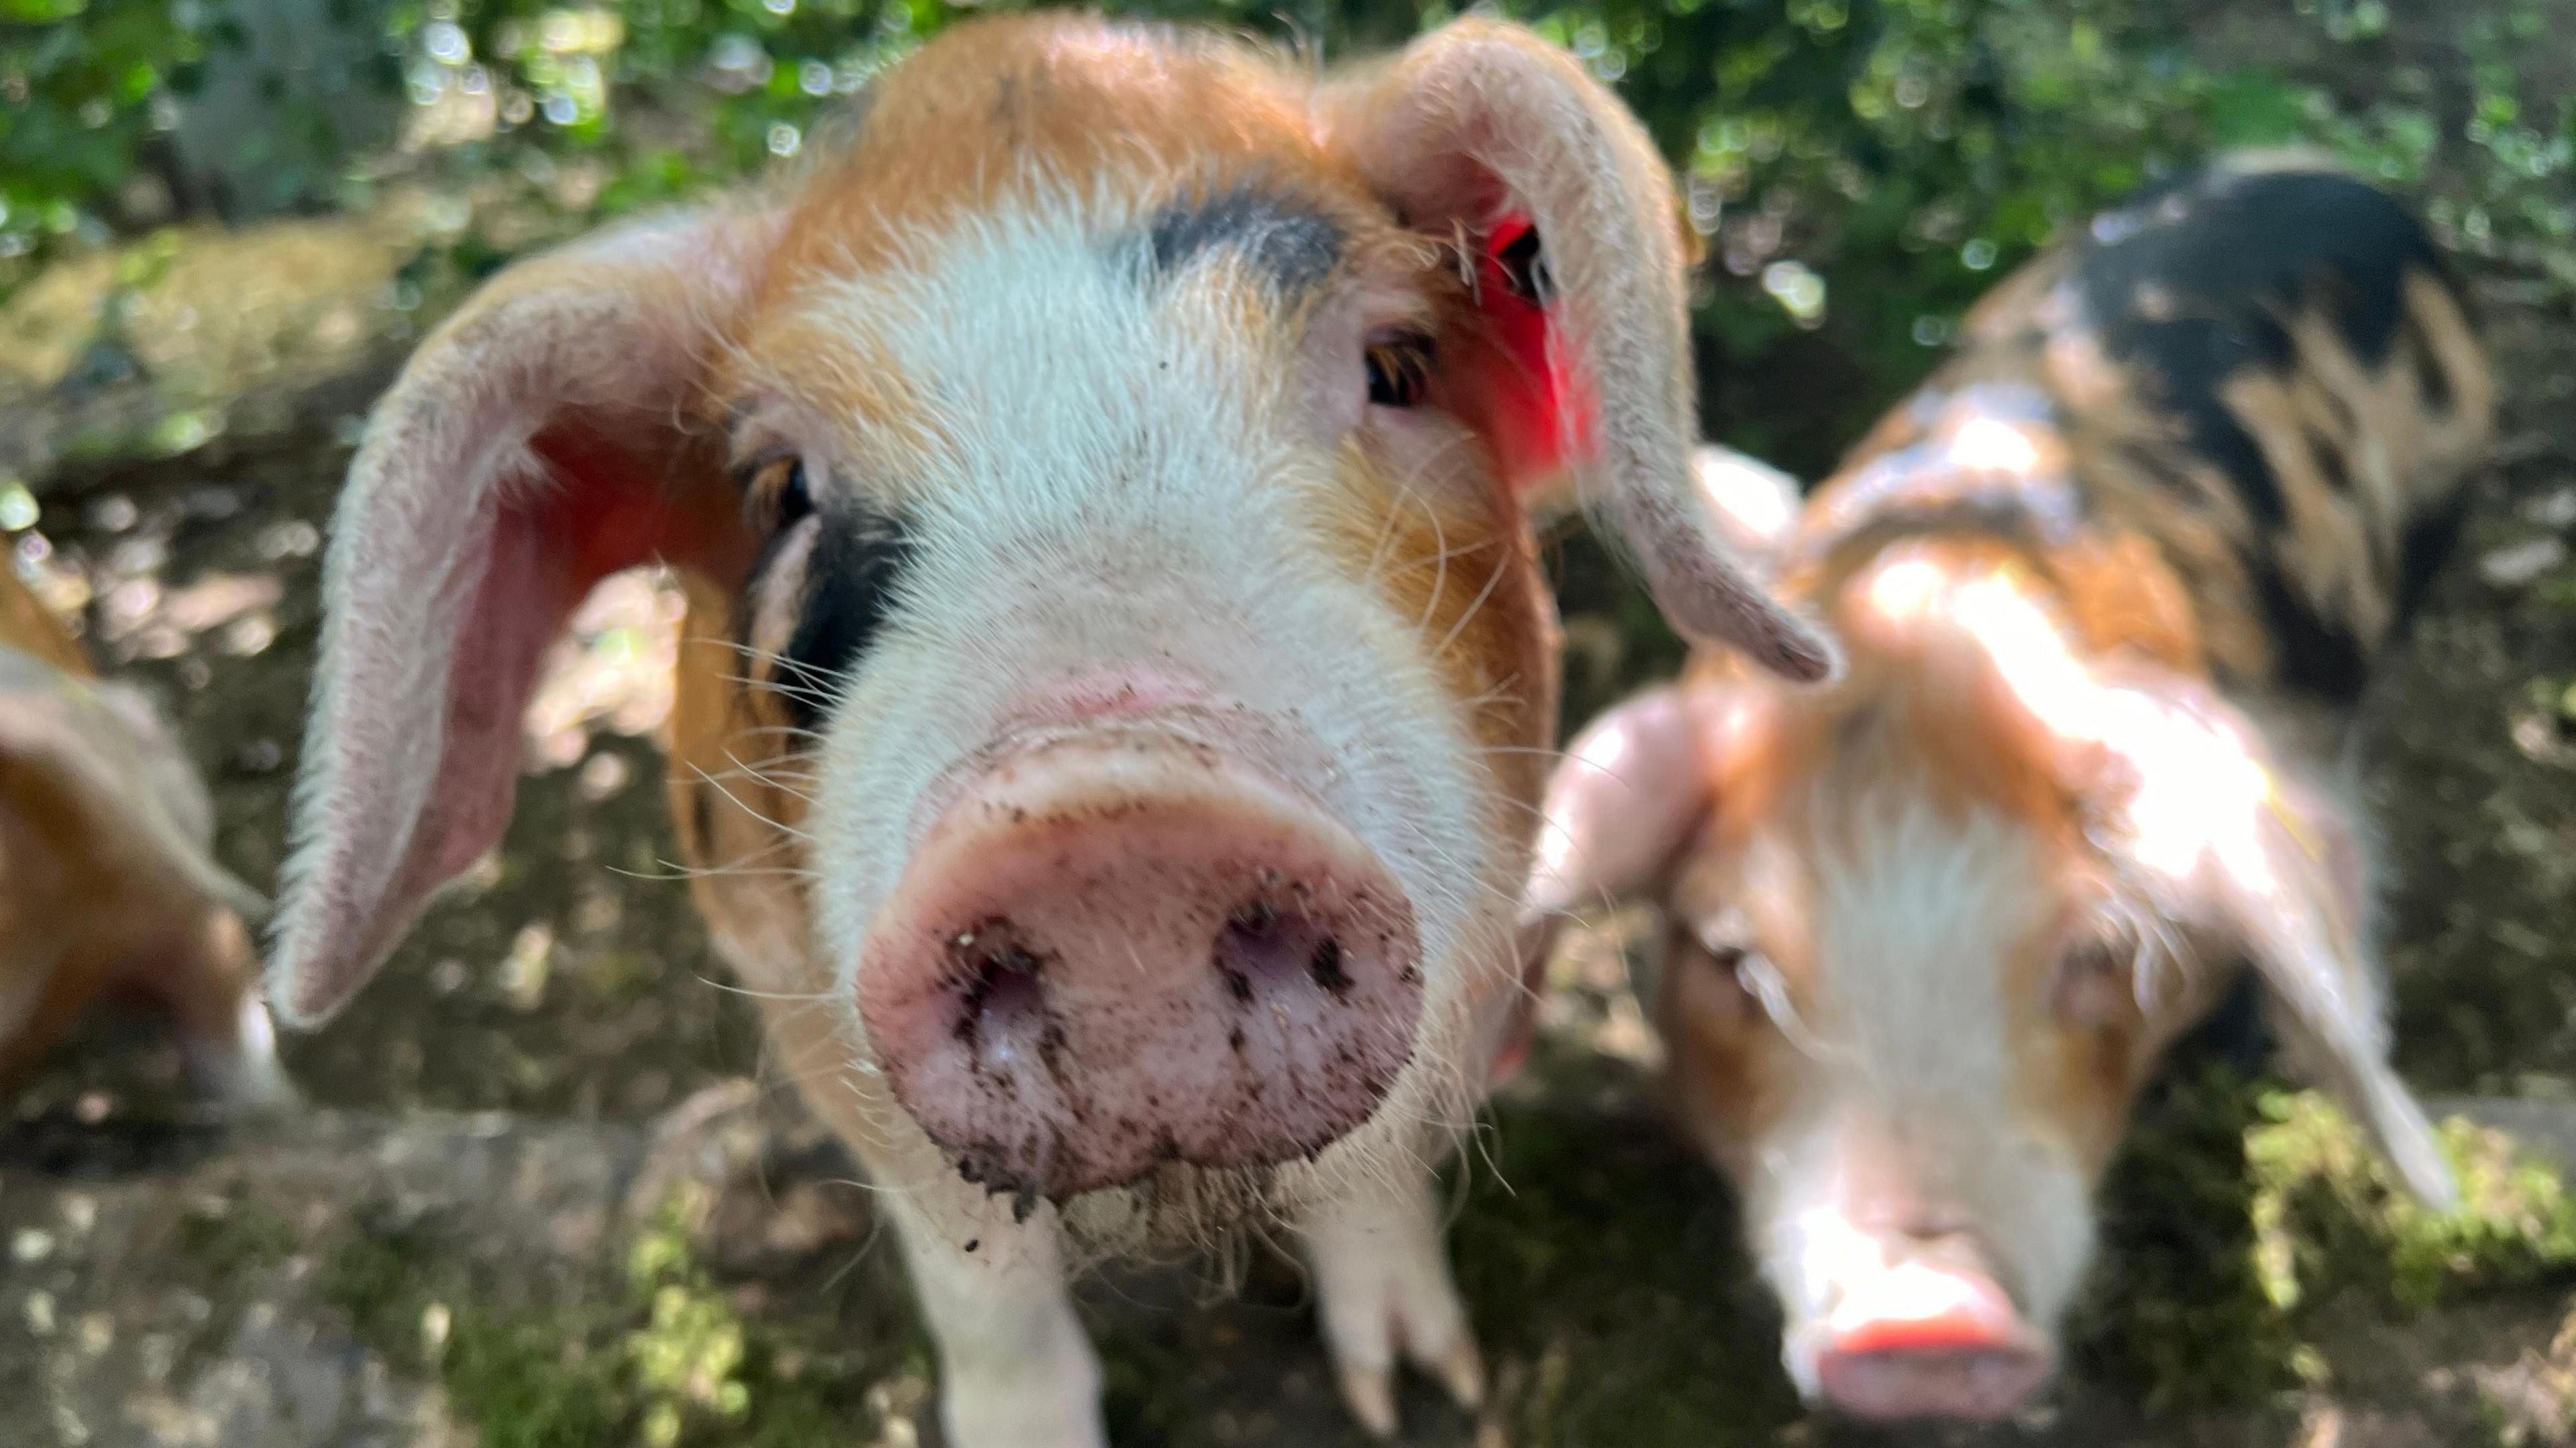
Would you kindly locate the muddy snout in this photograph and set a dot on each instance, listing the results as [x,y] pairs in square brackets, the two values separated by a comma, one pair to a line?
[1110,954]
[1918,1328]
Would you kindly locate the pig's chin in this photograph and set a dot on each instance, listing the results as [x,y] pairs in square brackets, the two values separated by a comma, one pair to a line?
[1180,1209]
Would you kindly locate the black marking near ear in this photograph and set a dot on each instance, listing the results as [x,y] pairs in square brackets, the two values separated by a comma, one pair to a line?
[1280,235]
[848,585]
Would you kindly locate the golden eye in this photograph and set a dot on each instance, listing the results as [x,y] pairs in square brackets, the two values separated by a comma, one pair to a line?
[774,492]
[1399,370]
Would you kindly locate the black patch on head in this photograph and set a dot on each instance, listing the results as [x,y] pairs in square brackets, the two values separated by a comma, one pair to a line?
[2228,258]
[1283,237]
[850,579]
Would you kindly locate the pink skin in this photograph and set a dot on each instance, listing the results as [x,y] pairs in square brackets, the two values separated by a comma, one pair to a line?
[1899,1310]
[1119,947]
[1923,1332]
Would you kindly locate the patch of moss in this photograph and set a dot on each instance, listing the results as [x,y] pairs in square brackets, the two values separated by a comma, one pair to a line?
[1602,1262]
[2242,1212]
[662,1359]
[2332,1219]
[536,1381]
[221,1240]
[2176,1314]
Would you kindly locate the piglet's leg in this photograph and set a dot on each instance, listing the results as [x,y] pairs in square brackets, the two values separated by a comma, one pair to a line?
[1016,1369]
[1383,1288]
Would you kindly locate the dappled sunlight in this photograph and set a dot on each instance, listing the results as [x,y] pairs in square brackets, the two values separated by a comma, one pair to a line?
[192,332]
[611,671]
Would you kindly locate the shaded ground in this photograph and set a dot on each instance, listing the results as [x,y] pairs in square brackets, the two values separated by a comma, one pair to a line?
[546,1208]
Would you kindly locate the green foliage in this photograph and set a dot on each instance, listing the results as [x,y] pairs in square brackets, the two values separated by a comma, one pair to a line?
[663,1360]
[1863,167]
[2178,1309]
[86,89]
[2330,1219]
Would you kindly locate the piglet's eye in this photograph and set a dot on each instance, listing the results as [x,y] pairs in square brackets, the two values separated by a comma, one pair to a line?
[1399,370]
[2094,984]
[774,492]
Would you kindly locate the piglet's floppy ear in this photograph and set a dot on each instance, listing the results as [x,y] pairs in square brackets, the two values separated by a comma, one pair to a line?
[535,444]
[2303,915]
[1620,807]
[2235,846]
[1629,794]
[1485,131]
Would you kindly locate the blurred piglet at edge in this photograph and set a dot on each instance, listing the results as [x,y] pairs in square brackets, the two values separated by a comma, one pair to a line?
[2108,584]
[107,887]
[1116,688]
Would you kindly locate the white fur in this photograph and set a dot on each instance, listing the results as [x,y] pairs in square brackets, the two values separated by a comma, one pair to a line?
[1148,508]
[1913,1104]
[1145,508]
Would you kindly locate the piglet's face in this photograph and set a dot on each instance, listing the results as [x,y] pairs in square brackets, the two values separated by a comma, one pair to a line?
[1929,931]
[1168,644]
[1115,669]
[1905,1025]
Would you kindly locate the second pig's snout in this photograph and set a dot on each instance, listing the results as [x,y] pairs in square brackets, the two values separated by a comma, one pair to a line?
[1121,950]
[1922,1331]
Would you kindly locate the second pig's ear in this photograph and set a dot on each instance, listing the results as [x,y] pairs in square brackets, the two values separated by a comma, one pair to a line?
[1483,131]
[1629,794]
[2208,822]
[1621,806]
[2303,917]
[541,439]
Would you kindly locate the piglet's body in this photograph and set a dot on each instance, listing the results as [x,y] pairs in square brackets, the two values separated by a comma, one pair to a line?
[106,886]
[1114,671]
[1930,927]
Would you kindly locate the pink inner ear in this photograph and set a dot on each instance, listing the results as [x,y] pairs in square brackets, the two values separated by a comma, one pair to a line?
[602,510]
[1534,413]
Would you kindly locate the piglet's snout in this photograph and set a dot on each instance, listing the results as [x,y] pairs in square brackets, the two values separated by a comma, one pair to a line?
[1925,1333]
[1120,950]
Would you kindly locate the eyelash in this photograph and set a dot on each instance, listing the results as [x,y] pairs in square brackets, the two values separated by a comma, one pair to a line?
[1399,370]
[775,493]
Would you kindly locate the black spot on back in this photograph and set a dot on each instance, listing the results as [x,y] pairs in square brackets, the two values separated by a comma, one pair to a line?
[2229,258]
[2429,376]
[1284,237]
[2316,655]
[2429,541]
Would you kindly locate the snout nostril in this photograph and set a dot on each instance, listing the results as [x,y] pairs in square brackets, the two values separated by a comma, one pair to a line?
[1325,965]
[1263,947]
[1004,999]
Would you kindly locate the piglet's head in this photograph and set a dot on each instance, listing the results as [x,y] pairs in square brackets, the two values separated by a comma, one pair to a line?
[1099,486]
[1930,930]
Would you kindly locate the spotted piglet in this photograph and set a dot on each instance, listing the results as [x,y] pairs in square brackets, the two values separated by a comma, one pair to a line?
[2105,584]
[106,884]
[1110,709]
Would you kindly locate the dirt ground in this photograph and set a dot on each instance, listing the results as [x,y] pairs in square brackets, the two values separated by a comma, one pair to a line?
[546,1200]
